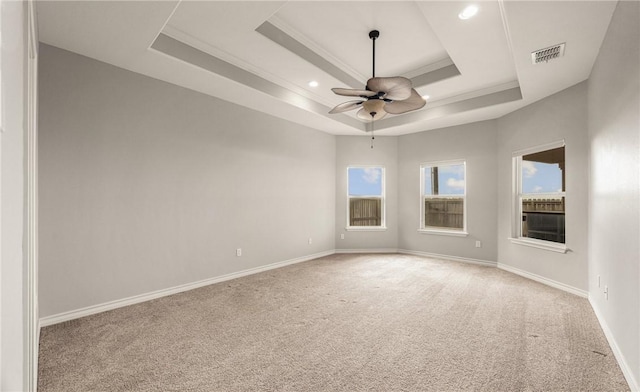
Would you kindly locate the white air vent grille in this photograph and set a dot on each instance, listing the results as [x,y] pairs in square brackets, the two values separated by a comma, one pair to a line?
[546,54]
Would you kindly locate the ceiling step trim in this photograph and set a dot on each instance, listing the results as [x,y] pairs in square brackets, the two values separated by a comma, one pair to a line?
[429,113]
[434,76]
[428,74]
[187,53]
[275,34]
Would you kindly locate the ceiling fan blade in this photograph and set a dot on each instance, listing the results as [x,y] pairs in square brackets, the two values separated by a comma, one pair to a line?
[348,92]
[363,115]
[343,107]
[414,102]
[395,88]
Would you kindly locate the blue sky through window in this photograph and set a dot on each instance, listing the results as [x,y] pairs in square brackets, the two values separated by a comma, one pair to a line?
[365,181]
[450,180]
[538,177]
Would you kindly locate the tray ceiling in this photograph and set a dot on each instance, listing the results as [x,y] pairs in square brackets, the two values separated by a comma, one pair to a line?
[263,54]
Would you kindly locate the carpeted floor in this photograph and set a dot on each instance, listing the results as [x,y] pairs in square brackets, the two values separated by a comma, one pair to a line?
[341,323]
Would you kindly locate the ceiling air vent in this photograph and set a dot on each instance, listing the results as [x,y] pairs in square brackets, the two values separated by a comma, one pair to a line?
[546,54]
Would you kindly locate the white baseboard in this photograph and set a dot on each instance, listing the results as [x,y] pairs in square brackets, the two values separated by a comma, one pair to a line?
[372,250]
[36,355]
[74,314]
[446,257]
[543,280]
[626,369]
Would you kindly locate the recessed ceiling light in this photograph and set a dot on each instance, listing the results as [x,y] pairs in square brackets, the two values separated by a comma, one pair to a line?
[313,83]
[425,97]
[468,12]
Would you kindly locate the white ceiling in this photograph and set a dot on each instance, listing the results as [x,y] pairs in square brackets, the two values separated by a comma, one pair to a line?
[262,54]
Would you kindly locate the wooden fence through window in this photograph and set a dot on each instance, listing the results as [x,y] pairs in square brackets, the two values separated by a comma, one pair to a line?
[544,219]
[543,205]
[444,212]
[365,212]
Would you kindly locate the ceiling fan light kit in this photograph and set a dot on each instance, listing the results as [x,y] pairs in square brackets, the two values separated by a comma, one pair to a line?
[373,108]
[382,95]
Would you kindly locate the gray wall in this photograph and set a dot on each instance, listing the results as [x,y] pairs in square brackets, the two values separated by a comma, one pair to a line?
[13,326]
[560,116]
[146,186]
[356,150]
[614,199]
[476,144]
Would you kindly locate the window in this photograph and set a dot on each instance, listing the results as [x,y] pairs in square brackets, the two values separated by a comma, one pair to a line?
[540,197]
[442,200]
[365,198]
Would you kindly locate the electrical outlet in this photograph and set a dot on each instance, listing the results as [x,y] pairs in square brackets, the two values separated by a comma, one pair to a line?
[478,244]
[310,240]
[606,292]
[239,252]
[342,236]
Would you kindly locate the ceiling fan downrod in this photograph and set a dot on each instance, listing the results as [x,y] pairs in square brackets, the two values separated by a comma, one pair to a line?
[381,95]
[374,34]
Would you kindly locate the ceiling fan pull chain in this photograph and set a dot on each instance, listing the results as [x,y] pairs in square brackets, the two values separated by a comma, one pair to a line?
[372,136]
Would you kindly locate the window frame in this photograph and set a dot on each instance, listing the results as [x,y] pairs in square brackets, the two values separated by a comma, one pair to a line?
[517,195]
[422,228]
[383,201]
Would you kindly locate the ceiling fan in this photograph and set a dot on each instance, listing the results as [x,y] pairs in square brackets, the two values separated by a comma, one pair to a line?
[393,95]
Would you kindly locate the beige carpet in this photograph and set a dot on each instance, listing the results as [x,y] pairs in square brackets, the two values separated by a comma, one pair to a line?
[341,323]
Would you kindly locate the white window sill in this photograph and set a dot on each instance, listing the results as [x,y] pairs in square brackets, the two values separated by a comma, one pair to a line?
[365,228]
[540,244]
[451,233]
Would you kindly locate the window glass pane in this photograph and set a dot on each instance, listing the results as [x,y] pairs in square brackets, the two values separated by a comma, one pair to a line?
[444,180]
[543,218]
[365,196]
[543,172]
[365,211]
[444,212]
[428,180]
[443,196]
[365,181]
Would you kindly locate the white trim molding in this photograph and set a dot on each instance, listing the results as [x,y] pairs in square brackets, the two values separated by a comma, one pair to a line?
[518,195]
[119,303]
[365,228]
[382,197]
[422,226]
[540,244]
[624,366]
[31,202]
[450,233]
[538,148]
[487,263]
[75,314]
[543,280]
[371,250]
